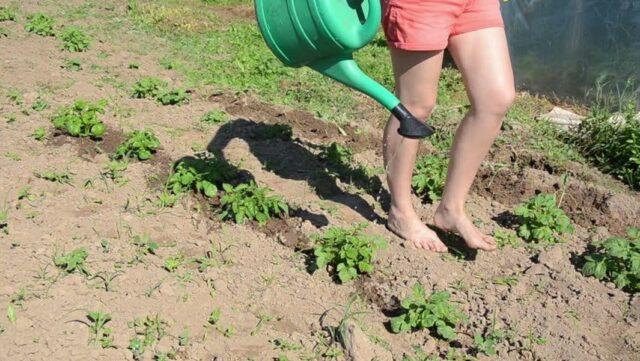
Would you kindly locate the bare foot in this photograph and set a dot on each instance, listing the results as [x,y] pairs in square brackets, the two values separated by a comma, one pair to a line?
[460,224]
[410,228]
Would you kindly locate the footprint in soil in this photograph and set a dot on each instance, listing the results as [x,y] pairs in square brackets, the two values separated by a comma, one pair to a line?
[275,148]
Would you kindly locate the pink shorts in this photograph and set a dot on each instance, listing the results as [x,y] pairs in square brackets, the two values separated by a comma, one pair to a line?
[428,24]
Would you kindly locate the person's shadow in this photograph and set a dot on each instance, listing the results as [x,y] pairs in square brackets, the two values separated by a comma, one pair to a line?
[274,146]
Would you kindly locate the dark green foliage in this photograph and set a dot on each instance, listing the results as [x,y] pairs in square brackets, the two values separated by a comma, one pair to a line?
[613,146]
[429,176]
[148,87]
[434,312]
[215,117]
[204,175]
[248,201]
[81,119]
[7,14]
[617,260]
[40,24]
[542,221]
[73,261]
[75,40]
[139,144]
[349,251]
[173,97]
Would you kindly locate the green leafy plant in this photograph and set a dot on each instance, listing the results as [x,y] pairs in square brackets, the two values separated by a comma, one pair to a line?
[215,117]
[72,65]
[429,176]
[145,245]
[40,24]
[81,119]
[15,96]
[434,312]
[487,343]
[613,146]
[214,316]
[148,87]
[506,238]
[203,174]
[100,334]
[75,40]
[139,144]
[172,263]
[39,133]
[73,261]
[148,331]
[114,170]
[248,201]
[348,250]
[542,221]
[39,105]
[337,154]
[617,260]
[7,14]
[56,177]
[173,97]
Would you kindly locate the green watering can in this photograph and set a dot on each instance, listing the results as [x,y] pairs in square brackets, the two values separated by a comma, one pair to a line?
[323,34]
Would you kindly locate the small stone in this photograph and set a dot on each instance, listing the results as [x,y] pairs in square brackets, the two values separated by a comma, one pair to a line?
[357,345]
[563,118]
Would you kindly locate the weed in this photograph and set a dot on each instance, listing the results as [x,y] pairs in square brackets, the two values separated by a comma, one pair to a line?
[173,97]
[139,144]
[145,245]
[505,238]
[202,174]
[248,201]
[337,154]
[419,355]
[99,333]
[183,338]
[11,314]
[349,251]
[72,65]
[4,219]
[39,133]
[542,221]
[617,260]
[215,117]
[15,96]
[168,63]
[107,279]
[56,177]
[3,34]
[39,105]
[73,261]
[148,87]
[148,331]
[505,280]
[613,146]
[7,14]
[81,119]
[134,65]
[433,312]
[40,24]
[172,263]
[75,40]
[214,317]
[114,170]
[486,343]
[429,176]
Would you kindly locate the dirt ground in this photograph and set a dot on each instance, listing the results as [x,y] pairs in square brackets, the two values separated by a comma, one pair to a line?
[552,312]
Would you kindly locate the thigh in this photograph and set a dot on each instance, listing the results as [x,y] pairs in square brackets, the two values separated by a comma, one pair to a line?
[417,74]
[483,59]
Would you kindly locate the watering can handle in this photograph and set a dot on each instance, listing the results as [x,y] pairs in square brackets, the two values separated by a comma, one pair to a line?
[371,25]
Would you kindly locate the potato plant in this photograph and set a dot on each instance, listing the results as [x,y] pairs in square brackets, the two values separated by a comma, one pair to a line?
[204,175]
[99,333]
[40,24]
[73,261]
[435,312]
[75,40]
[7,14]
[215,117]
[248,201]
[139,144]
[349,251]
[617,260]
[542,221]
[429,176]
[154,88]
[81,119]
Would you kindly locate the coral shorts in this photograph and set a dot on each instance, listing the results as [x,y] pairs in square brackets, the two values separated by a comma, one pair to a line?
[423,25]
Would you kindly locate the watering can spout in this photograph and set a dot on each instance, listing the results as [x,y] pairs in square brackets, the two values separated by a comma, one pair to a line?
[344,69]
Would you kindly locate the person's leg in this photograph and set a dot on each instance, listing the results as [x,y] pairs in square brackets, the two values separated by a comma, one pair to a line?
[417,75]
[483,59]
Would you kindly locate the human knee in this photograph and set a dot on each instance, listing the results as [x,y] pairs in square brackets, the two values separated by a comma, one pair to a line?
[421,110]
[497,101]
